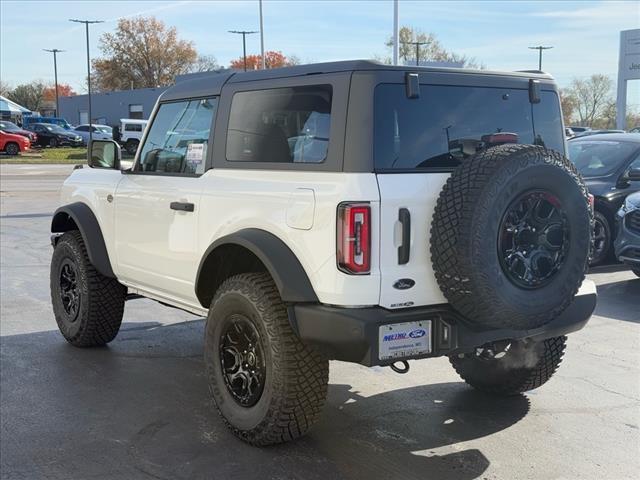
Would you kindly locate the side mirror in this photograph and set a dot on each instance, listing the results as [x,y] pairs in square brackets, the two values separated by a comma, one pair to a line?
[633,174]
[104,154]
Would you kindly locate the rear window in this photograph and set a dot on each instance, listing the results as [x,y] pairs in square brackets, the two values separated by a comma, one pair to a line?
[280,125]
[449,123]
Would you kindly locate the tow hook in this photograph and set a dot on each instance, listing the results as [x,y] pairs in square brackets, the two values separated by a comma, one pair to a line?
[403,369]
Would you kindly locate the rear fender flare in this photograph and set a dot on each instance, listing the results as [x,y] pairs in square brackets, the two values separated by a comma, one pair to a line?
[282,264]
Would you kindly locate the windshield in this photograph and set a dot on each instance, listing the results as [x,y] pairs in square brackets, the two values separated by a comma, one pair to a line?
[105,129]
[8,126]
[55,128]
[449,123]
[596,158]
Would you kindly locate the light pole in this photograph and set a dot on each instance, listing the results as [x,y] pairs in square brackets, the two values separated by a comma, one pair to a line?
[396,37]
[417,44]
[55,74]
[540,48]
[264,64]
[86,24]
[244,34]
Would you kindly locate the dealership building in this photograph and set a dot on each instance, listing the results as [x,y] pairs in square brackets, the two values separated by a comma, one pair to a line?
[108,108]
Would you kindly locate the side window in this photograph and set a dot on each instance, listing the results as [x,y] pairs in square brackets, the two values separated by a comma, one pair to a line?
[82,128]
[177,139]
[280,125]
[133,127]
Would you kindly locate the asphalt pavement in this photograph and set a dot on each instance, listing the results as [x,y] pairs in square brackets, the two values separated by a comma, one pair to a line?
[139,408]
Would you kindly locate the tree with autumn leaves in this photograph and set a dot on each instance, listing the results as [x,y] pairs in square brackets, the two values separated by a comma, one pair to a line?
[273,59]
[34,95]
[143,52]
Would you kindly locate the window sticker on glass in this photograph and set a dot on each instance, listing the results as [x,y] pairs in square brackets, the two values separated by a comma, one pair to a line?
[195,157]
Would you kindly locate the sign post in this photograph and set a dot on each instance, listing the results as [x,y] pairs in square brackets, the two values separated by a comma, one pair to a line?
[628,69]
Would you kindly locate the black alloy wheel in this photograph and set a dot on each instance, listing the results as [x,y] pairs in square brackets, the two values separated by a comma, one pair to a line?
[533,239]
[243,361]
[69,291]
[601,239]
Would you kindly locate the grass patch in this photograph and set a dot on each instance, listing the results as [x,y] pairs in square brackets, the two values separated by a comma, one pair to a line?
[53,155]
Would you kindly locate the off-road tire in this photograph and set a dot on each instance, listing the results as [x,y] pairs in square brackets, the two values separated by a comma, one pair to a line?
[11,149]
[465,227]
[131,146]
[295,388]
[101,299]
[527,365]
[600,221]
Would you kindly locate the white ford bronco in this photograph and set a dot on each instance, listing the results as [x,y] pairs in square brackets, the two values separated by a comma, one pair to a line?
[350,211]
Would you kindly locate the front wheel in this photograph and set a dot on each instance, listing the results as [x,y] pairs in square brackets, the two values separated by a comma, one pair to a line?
[267,385]
[87,305]
[511,368]
[11,149]
[53,143]
[601,239]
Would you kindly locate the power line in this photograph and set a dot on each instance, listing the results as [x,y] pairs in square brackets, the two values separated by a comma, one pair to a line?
[55,74]
[540,48]
[244,34]
[86,24]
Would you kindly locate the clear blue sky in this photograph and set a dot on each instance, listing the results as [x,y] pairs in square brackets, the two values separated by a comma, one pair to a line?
[585,34]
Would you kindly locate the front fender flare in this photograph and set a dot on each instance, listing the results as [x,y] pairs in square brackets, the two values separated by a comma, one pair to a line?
[284,267]
[79,216]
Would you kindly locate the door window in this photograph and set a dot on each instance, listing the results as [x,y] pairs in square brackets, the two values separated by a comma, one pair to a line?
[178,138]
[280,125]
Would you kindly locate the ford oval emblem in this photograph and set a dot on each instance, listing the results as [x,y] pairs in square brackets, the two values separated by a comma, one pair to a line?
[404,284]
[417,333]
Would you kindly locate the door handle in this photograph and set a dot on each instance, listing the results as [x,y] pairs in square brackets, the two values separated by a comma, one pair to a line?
[182,206]
[403,250]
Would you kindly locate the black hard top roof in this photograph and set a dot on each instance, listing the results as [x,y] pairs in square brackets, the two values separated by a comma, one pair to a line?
[212,84]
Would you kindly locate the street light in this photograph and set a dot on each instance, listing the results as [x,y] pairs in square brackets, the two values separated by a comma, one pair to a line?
[55,74]
[244,34]
[540,48]
[417,44]
[264,64]
[86,24]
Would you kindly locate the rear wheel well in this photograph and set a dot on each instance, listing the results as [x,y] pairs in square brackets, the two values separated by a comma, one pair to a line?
[222,263]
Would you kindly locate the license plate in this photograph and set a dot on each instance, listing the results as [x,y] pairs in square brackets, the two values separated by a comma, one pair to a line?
[400,340]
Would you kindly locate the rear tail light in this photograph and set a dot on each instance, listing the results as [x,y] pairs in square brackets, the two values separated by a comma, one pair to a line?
[354,238]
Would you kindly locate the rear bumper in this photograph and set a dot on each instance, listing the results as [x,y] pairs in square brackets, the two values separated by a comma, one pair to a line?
[351,334]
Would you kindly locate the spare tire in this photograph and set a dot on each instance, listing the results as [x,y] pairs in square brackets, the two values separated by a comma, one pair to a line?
[510,236]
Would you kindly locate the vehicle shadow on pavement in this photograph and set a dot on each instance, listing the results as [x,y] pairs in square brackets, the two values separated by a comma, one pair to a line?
[619,300]
[139,408]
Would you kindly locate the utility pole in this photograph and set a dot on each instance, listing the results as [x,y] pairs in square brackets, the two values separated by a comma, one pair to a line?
[86,25]
[417,44]
[264,61]
[396,34]
[540,48]
[55,74]
[244,34]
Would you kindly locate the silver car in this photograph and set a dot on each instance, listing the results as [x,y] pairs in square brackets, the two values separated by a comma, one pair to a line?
[100,132]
